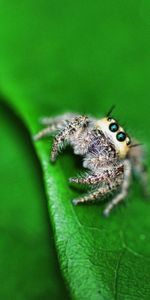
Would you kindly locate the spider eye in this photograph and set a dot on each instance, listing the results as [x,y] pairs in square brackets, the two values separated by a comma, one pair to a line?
[128,141]
[109,119]
[121,136]
[113,127]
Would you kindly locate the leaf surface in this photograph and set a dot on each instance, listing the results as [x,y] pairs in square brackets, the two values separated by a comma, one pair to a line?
[76,56]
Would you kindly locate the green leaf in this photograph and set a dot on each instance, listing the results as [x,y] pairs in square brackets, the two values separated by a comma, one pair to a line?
[28,263]
[76,56]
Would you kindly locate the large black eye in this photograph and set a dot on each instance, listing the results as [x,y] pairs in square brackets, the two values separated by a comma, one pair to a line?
[121,136]
[113,127]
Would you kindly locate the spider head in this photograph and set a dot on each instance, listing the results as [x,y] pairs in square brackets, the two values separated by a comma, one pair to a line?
[116,134]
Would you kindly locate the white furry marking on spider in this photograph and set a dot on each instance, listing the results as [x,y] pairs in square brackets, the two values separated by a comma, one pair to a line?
[108,155]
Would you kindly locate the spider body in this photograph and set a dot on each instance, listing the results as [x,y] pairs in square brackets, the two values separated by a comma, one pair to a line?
[108,155]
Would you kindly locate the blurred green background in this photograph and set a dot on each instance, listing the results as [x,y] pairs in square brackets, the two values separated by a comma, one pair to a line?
[28,263]
[69,56]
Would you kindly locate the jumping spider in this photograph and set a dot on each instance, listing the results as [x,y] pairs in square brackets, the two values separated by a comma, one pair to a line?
[108,154]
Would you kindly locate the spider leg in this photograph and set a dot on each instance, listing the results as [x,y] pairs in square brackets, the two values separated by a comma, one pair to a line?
[124,189]
[100,192]
[89,179]
[57,120]
[53,125]
[106,175]
[137,159]
[64,134]
[144,181]
[43,133]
